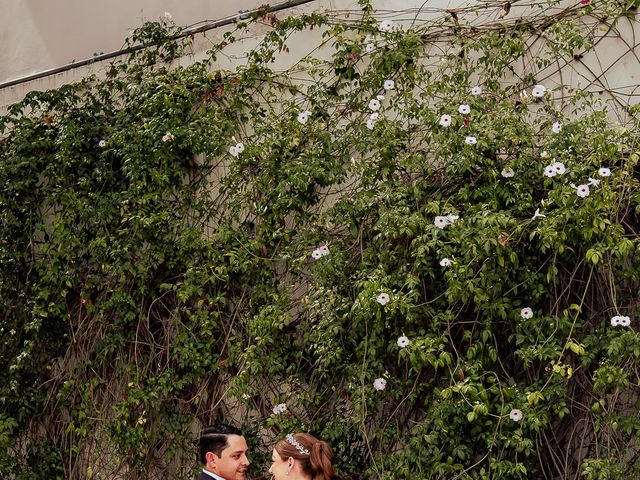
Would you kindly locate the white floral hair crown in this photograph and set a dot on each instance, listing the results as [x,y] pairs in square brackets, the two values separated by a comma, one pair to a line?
[292,441]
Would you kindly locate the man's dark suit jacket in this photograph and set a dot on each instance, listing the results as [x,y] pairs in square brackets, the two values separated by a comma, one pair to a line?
[204,476]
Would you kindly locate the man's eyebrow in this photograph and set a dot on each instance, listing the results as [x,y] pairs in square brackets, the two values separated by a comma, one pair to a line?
[240,451]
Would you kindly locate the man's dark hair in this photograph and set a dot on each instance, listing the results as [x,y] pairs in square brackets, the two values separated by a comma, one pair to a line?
[214,439]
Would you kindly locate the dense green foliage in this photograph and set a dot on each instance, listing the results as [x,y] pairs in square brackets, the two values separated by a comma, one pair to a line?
[416,287]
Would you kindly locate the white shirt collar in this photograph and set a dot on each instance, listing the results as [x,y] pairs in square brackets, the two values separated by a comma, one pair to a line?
[211,474]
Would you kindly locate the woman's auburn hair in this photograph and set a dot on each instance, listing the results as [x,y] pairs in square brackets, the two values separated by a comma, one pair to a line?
[318,464]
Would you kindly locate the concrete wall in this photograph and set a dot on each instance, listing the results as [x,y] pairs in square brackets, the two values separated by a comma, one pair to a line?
[38,35]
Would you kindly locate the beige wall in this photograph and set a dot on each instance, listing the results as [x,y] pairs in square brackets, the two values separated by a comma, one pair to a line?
[40,35]
[37,35]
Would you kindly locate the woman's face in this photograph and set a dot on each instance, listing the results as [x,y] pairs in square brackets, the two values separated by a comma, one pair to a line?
[279,467]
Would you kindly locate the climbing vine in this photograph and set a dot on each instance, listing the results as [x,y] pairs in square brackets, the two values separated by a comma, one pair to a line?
[419,241]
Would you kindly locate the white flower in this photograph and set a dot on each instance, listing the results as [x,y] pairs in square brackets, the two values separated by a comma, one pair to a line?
[594,182]
[476,90]
[383,298]
[445,262]
[236,149]
[316,254]
[371,124]
[558,167]
[167,16]
[550,171]
[280,408]
[380,97]
[102,144]
[582,191]
[369,48]
[464,109]
[441,221]
[374,116]
[445,120]
[604,172]
[167,137]
[379,384]
[620,320]
[389,85]
[526,312]
[385,26]
[539,90]
[507,172]
[304,116]
[515,415]
[403,341]
[537,214]
[324,250]
[374,104]
[556,127]
[615,321]
[470,140]
[544,154]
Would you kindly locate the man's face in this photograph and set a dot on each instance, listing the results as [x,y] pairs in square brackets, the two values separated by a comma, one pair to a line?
[232,463]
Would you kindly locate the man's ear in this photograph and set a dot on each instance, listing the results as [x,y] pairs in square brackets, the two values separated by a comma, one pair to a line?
[211,459]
